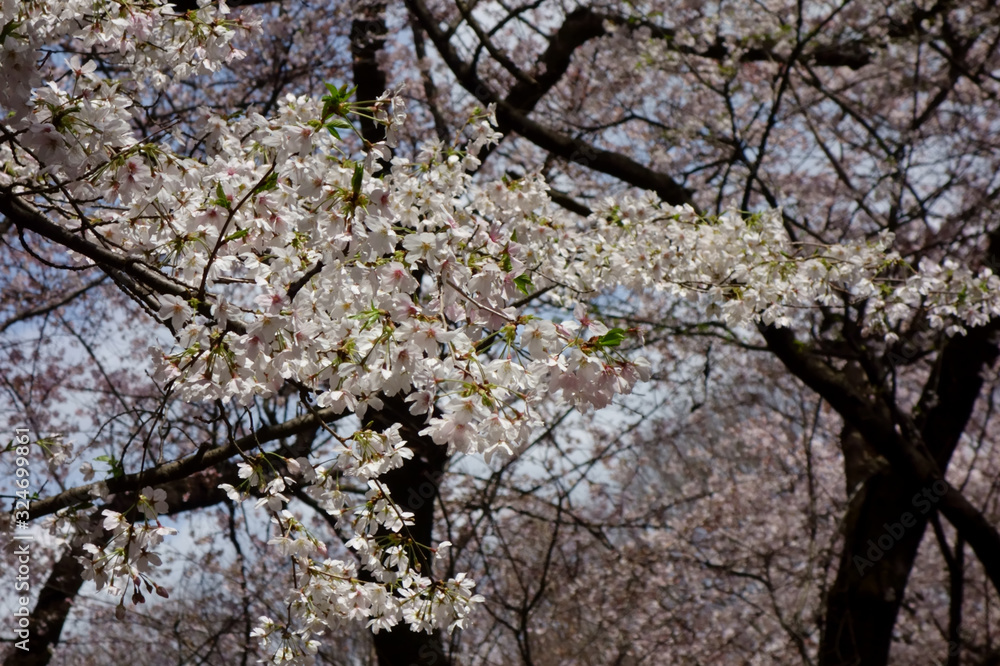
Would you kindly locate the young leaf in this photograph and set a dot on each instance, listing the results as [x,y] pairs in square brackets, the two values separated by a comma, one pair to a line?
[359,172]
[221,199]
[523,284]
[269,183]
[612,338]
[236,234]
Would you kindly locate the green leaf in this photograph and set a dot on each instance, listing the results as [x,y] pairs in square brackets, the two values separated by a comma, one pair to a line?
[359,172]
[220,197]
[269,183]
[9,30]
[612,338]
[236,235]
[507,265]
[523,284]
[334,125]
[333,104]
[115,465]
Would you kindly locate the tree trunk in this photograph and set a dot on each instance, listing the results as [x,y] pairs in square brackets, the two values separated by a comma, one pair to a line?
[883,532]
[414,487]
[49,615]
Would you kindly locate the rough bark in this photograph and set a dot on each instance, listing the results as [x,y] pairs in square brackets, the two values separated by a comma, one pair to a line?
[863,603]
[415,488]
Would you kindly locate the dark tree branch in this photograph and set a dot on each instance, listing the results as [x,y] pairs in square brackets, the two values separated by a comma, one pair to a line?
[511,118]
[48,617]
[190,493]
[182,6]
[206,456]
[53,305]
[133,276]
[895,438]
[415,487]
[24,216]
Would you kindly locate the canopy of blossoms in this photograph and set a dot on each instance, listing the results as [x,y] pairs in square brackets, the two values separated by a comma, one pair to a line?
[279,257]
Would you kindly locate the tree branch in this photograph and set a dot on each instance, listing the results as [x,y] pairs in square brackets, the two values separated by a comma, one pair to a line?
[25,216]
[899,441]
[511,118]
[54,305]
[202,459]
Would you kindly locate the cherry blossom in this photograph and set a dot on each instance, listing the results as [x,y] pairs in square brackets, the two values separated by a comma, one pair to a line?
[284,259]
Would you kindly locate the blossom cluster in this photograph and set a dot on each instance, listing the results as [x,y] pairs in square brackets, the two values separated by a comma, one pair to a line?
[357,288]
[744,269]
[128,557]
